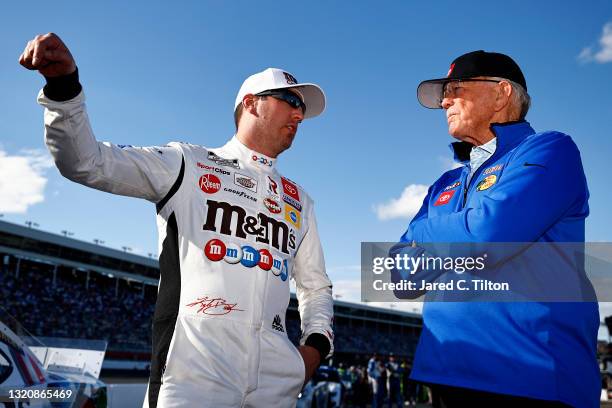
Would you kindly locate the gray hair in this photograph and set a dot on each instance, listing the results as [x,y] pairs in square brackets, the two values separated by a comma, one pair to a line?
[521,101]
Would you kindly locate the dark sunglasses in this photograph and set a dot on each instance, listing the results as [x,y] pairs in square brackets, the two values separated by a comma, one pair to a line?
[285,95]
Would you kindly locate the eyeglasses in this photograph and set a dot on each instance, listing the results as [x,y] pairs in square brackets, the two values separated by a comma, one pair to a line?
[450,88]
[285,95]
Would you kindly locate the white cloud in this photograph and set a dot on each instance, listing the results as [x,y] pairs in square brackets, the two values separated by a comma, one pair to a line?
[406,206]
[22,179]
[586,54]
[604,53]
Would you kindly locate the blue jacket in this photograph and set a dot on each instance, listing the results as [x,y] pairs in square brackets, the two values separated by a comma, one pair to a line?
[532,189]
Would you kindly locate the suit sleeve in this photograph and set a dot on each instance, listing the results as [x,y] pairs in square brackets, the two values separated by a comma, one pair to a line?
[542,183]
[144,172]
[313,287]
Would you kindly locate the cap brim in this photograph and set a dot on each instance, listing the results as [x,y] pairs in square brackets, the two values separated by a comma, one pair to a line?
[314,98]
[429,93]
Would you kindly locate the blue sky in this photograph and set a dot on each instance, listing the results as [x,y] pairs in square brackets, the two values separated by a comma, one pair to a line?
[154,73]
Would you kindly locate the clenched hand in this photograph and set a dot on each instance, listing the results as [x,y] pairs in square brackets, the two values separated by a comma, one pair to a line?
[49,55]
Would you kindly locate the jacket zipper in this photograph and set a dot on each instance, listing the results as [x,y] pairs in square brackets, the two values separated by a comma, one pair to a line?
[474,177]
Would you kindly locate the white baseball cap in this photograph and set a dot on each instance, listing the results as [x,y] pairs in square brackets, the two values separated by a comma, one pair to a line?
[274,78]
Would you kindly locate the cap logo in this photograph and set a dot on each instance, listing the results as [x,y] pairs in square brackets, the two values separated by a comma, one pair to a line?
[290,79]
[450,70]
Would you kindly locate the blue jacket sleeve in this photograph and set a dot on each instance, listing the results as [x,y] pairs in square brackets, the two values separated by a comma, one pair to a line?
[543,182]
[402,249]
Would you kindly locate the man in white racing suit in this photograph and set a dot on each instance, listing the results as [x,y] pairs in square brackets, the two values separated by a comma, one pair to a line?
[232,231]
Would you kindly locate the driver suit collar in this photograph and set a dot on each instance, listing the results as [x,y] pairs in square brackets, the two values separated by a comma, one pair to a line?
[249,157]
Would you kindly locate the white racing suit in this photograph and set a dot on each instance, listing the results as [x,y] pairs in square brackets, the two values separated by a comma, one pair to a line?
[232,231]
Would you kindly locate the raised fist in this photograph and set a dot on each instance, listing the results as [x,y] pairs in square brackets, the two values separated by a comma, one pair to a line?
[49,55]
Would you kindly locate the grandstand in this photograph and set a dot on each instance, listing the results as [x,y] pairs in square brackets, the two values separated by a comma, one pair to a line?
[57,286]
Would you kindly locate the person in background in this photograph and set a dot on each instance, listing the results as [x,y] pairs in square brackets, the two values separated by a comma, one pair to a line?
[374,378]
[394,382]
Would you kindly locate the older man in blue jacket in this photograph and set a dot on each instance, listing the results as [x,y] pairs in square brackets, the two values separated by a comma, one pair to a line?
[515,185]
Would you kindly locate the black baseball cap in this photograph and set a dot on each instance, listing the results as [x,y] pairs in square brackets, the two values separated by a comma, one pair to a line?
[470,65]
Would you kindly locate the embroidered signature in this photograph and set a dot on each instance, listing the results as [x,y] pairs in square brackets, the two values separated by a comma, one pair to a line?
[214,306]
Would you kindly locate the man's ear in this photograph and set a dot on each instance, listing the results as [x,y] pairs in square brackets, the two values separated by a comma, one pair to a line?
[502,98]
[249,103]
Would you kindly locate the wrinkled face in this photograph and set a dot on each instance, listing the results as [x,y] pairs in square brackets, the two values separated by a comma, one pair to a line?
[278,121]
[469,108]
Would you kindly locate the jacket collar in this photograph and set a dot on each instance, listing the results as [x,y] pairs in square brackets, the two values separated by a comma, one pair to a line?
[508,134]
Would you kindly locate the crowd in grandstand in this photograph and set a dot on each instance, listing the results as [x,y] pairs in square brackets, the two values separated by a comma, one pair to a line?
[75,306]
